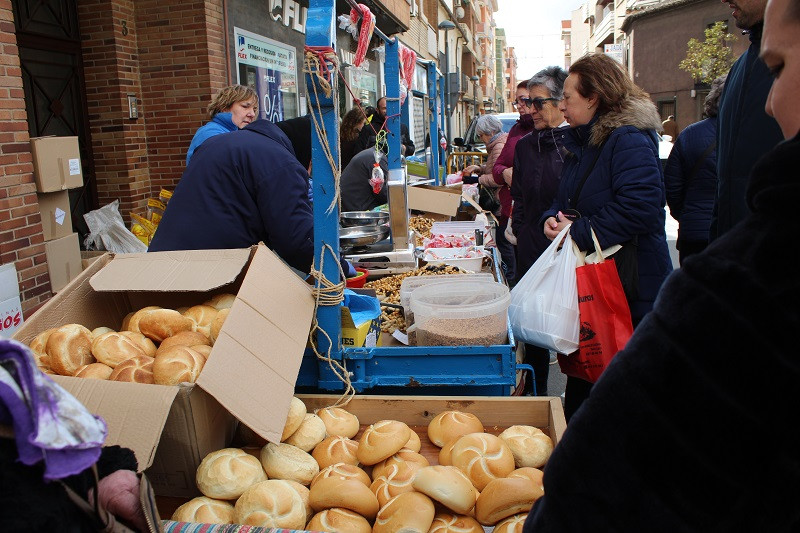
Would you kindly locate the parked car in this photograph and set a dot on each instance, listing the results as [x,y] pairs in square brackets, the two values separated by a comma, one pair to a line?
[470,141]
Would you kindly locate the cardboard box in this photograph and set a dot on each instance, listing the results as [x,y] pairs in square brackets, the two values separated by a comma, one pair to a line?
[90,256]
[11,318]
[56,214]
[250,374]
[366,334]
[56,163]
[435,199]
[63,260]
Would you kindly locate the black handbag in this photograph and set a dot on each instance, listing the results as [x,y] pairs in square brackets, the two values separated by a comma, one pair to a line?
[489,200]
[627,261]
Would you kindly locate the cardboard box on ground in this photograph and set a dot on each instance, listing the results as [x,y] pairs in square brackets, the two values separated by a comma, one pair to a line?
[56,163]
[63,261]
[56,214]
[249,375]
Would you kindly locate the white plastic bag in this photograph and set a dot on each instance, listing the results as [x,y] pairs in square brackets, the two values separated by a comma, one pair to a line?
[108,231]
[544,303]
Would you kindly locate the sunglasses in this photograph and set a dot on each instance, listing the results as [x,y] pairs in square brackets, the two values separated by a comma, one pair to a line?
[537,103]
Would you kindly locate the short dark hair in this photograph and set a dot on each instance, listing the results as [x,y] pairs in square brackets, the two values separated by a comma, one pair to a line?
[523,85]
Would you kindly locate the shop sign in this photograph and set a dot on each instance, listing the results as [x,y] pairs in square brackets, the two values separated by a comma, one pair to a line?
[615,51]
[289,13]
[270,68]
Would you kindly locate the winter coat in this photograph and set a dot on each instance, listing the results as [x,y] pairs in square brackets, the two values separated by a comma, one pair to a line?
[221,123]
[522,127]
[623,197]
[744,133]
[494,148]
[538,159]
[683,389]
[245,188]
[357,193]
[691,197]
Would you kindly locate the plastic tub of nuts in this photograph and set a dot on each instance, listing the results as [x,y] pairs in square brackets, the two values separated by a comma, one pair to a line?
[461,313]
[411,283]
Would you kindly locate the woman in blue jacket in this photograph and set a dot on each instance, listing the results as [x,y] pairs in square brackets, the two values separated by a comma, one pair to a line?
[231,109]
[690,177]
[612,183]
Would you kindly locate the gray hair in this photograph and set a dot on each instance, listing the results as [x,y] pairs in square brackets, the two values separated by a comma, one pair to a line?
[552,79]
[488,125]
[711,102]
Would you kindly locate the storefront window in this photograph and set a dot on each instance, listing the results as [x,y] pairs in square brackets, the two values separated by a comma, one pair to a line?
[271,69]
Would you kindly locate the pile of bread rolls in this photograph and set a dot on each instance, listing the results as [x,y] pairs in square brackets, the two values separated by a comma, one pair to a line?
[153,345]
[320,478]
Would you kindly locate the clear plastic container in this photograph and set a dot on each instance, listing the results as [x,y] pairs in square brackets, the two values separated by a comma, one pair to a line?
[461,313]
[412,282]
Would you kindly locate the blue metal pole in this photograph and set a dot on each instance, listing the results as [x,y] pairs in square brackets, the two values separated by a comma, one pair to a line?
[405,113]
[433,164]
[391,68]
[321,31]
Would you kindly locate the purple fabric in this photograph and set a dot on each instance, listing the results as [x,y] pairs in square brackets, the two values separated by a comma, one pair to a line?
[49,423]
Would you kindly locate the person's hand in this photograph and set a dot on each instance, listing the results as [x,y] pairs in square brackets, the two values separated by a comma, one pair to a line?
[119,495]
[507,174]
[553,226]
[470,169]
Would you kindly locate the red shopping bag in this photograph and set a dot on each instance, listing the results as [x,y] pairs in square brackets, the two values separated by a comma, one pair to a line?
[605,321]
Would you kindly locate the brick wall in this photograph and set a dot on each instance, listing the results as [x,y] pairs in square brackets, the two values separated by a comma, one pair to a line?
[21,239]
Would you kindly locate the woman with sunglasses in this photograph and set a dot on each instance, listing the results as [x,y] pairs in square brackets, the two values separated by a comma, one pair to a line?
[538,158]
[502,172]
[612,183]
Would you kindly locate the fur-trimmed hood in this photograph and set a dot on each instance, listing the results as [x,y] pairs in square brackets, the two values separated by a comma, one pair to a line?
[637,111]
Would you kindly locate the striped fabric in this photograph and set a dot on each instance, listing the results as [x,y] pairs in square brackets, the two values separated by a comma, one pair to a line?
[185,527]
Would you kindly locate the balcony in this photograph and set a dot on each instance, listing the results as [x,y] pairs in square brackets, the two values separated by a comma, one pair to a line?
[633,5]
[604,30]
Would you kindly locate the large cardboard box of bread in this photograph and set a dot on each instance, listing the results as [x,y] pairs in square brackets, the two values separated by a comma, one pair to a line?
[250,373]
[435,199]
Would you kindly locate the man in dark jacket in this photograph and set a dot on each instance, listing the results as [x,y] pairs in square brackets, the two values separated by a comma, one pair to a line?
[357,192]
[244,187]
[744,131]
[368,134]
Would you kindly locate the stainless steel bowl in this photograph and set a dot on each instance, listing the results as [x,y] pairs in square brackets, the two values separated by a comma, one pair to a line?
[362,235]
[363,218]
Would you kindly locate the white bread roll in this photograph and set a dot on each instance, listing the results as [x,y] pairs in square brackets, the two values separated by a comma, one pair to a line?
[345,493]
[177,364]
[343,471]
[184,338]
[447,485]
[512,524]
[216,325]
[530,445]
[96,332]
[395,480]
[454,523]
[403,456]
[69,347]
[42,361]
[271,503]
[225,474]
[147,346]
[203,350]
[137,369]
[450,425]
[39,342]
[134,318]
[382,440]
[310,433]
[159,324]
[445,452]
[295,416]
[534,475]
[284,461]
[338,520]
[126,322]
[203,315]
[203,510]
[305,495]
[334,450]
[410,512]
[113,348]
[503,498]
[94,371]
[221,301]
[338,422]
[482,457]
[414,443]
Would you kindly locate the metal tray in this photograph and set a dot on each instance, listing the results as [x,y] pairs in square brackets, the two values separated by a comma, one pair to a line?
[363,218]
[362,235]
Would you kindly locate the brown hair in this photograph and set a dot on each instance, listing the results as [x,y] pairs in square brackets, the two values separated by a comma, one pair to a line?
[603,77]
[350,120]
[522,85]
[228,96]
